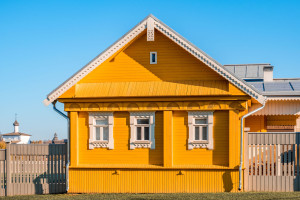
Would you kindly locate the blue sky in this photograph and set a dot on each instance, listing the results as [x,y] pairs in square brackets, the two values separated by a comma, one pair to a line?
[42,43]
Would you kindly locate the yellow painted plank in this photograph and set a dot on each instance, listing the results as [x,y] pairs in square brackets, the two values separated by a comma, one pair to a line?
[256,123]
[234,139]
[168,138]
[74,139]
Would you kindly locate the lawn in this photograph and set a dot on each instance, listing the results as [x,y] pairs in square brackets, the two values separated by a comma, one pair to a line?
[223,196]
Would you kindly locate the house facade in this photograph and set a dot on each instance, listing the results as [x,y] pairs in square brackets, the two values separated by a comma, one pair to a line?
[154,114]
[16,137]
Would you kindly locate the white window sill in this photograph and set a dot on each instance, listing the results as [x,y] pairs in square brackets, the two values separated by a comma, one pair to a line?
[99,144]
[142,144]
[200,142]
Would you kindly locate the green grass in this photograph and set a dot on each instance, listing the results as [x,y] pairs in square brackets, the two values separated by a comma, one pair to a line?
[222,196]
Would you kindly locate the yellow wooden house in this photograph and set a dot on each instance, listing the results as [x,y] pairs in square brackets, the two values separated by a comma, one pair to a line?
[154,114]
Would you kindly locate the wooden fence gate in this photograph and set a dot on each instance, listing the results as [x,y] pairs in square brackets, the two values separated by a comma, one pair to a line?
[33,169]
[272,162]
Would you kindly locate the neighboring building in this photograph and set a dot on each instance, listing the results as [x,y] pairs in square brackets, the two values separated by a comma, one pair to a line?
[282,111]
[55,140]
[16,137]
[153,113]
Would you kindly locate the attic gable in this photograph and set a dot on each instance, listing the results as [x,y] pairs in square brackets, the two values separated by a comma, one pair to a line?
[132,64]
[151,23]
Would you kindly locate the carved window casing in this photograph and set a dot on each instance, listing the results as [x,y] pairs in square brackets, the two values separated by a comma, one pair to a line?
[142,127]
[101,130]
[200,129]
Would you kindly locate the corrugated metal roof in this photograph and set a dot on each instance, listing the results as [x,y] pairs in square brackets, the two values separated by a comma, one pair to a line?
[138,89]
[278,88]
[248,71]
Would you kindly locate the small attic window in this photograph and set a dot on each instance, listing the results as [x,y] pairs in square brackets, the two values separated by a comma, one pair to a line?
[153,57]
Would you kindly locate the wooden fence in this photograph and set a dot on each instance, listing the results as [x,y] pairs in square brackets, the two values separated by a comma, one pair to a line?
[272,162]
[33,169]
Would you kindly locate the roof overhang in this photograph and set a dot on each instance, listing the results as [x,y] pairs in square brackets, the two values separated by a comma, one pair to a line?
[151,21]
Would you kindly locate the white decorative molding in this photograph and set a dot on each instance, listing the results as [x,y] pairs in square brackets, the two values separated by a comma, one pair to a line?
[146,23]
[150,29]
[192,143]
[93,143]
[134,143]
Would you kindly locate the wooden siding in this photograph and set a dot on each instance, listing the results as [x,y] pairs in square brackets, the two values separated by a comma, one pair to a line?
[278,107]
[132,64]
[218,156]
[234,139]
[256,123]
[281,120]
[152,181]
[121,154]
[168,138]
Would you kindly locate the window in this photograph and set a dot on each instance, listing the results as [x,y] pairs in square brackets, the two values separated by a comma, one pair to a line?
[101,130]
[142,125]
[200,130]
[153,57]
[142,129]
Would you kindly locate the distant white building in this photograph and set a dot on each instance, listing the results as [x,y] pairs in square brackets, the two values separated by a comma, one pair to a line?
[16,137]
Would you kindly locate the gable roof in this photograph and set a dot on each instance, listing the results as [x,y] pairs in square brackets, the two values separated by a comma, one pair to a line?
[151,21]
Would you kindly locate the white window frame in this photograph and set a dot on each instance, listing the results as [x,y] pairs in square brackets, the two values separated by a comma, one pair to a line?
[155,53]
[93,143]
[192,116]
[134,143]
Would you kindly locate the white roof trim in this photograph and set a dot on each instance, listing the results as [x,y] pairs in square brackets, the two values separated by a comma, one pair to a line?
[199,54]
[283,98]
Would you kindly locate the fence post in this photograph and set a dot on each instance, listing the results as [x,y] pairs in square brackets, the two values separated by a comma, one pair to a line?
[8,170]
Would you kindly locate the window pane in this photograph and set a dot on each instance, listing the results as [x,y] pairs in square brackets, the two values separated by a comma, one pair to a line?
[138,133]
[97,133]
[146,133]
[200,121]
[142,121]
[204,133]
[101,122]
[197,133]
[105,133]
[153,57]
